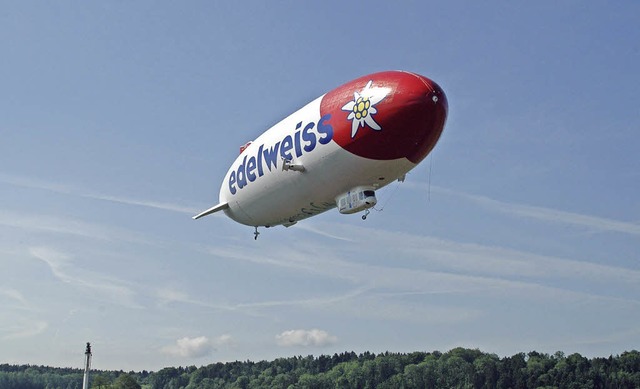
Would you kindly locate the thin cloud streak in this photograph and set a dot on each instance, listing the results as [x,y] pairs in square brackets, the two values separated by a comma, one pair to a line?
[440,266]
[167,296]
[69,226]
[63,268]
[16,296]
[310,302]
[24,329]
[26,182]
[474,259]
[541,213]
[279,257]
[311,228]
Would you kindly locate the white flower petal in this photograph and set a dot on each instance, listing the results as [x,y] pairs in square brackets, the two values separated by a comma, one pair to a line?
[374,95]
[378,95]
[354,128]
[372,123]
[349,106]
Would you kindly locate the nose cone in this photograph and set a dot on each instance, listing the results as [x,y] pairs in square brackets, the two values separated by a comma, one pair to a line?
[387,115]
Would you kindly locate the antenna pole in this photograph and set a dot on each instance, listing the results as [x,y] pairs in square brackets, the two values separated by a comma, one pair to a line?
[87,366]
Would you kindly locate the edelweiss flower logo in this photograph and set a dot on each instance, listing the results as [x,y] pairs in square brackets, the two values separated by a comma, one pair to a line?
[362,108]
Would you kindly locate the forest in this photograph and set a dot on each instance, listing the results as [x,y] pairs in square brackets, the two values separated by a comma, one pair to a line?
[457,368]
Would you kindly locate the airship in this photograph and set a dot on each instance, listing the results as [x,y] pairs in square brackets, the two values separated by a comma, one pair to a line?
[335,152]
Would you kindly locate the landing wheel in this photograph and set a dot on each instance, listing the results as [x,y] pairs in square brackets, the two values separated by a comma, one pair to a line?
[255,234]
[366,213]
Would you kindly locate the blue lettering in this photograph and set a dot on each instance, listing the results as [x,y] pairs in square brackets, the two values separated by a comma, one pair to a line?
[271,156]
[232,181]
[296,141]
[251,165]
[260,170]
[303,141]
[309,136]
[285,147]
[325,129]
[242,179]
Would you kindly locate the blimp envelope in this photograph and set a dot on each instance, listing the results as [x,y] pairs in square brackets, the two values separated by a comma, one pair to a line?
[336,151]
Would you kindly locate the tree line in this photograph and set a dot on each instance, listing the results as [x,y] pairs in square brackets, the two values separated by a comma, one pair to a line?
[458,368]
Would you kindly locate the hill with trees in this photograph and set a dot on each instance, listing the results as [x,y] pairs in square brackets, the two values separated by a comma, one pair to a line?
[458,368]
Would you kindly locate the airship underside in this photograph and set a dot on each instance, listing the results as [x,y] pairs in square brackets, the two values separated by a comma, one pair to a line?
[336,151]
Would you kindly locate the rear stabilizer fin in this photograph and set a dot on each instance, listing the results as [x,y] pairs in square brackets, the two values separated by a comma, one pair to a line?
[211,210]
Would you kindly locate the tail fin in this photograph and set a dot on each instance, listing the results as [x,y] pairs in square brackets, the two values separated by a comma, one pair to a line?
[211,210]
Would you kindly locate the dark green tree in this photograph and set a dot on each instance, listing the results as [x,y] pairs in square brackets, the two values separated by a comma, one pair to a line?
[126,381]
[100,381]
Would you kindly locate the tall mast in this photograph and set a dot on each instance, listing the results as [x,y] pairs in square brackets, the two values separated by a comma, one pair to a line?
[87,366]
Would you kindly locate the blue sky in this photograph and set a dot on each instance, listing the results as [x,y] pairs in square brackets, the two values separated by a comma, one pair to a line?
[119,120]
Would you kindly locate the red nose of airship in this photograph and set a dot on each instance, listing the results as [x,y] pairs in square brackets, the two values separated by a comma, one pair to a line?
[387,115]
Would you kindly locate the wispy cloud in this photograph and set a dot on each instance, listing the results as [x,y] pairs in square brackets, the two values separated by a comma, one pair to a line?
[23,329]
[440,266]
[19,317]
[64,269]
[166,295]
[309,302]
[27,182]
[15,296]
[550,215]
[426,265]
[69,226]
[311,228]
[494,261]
[279,256]
[305,338]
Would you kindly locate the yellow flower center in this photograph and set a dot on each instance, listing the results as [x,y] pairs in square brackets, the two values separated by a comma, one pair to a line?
[361,107]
